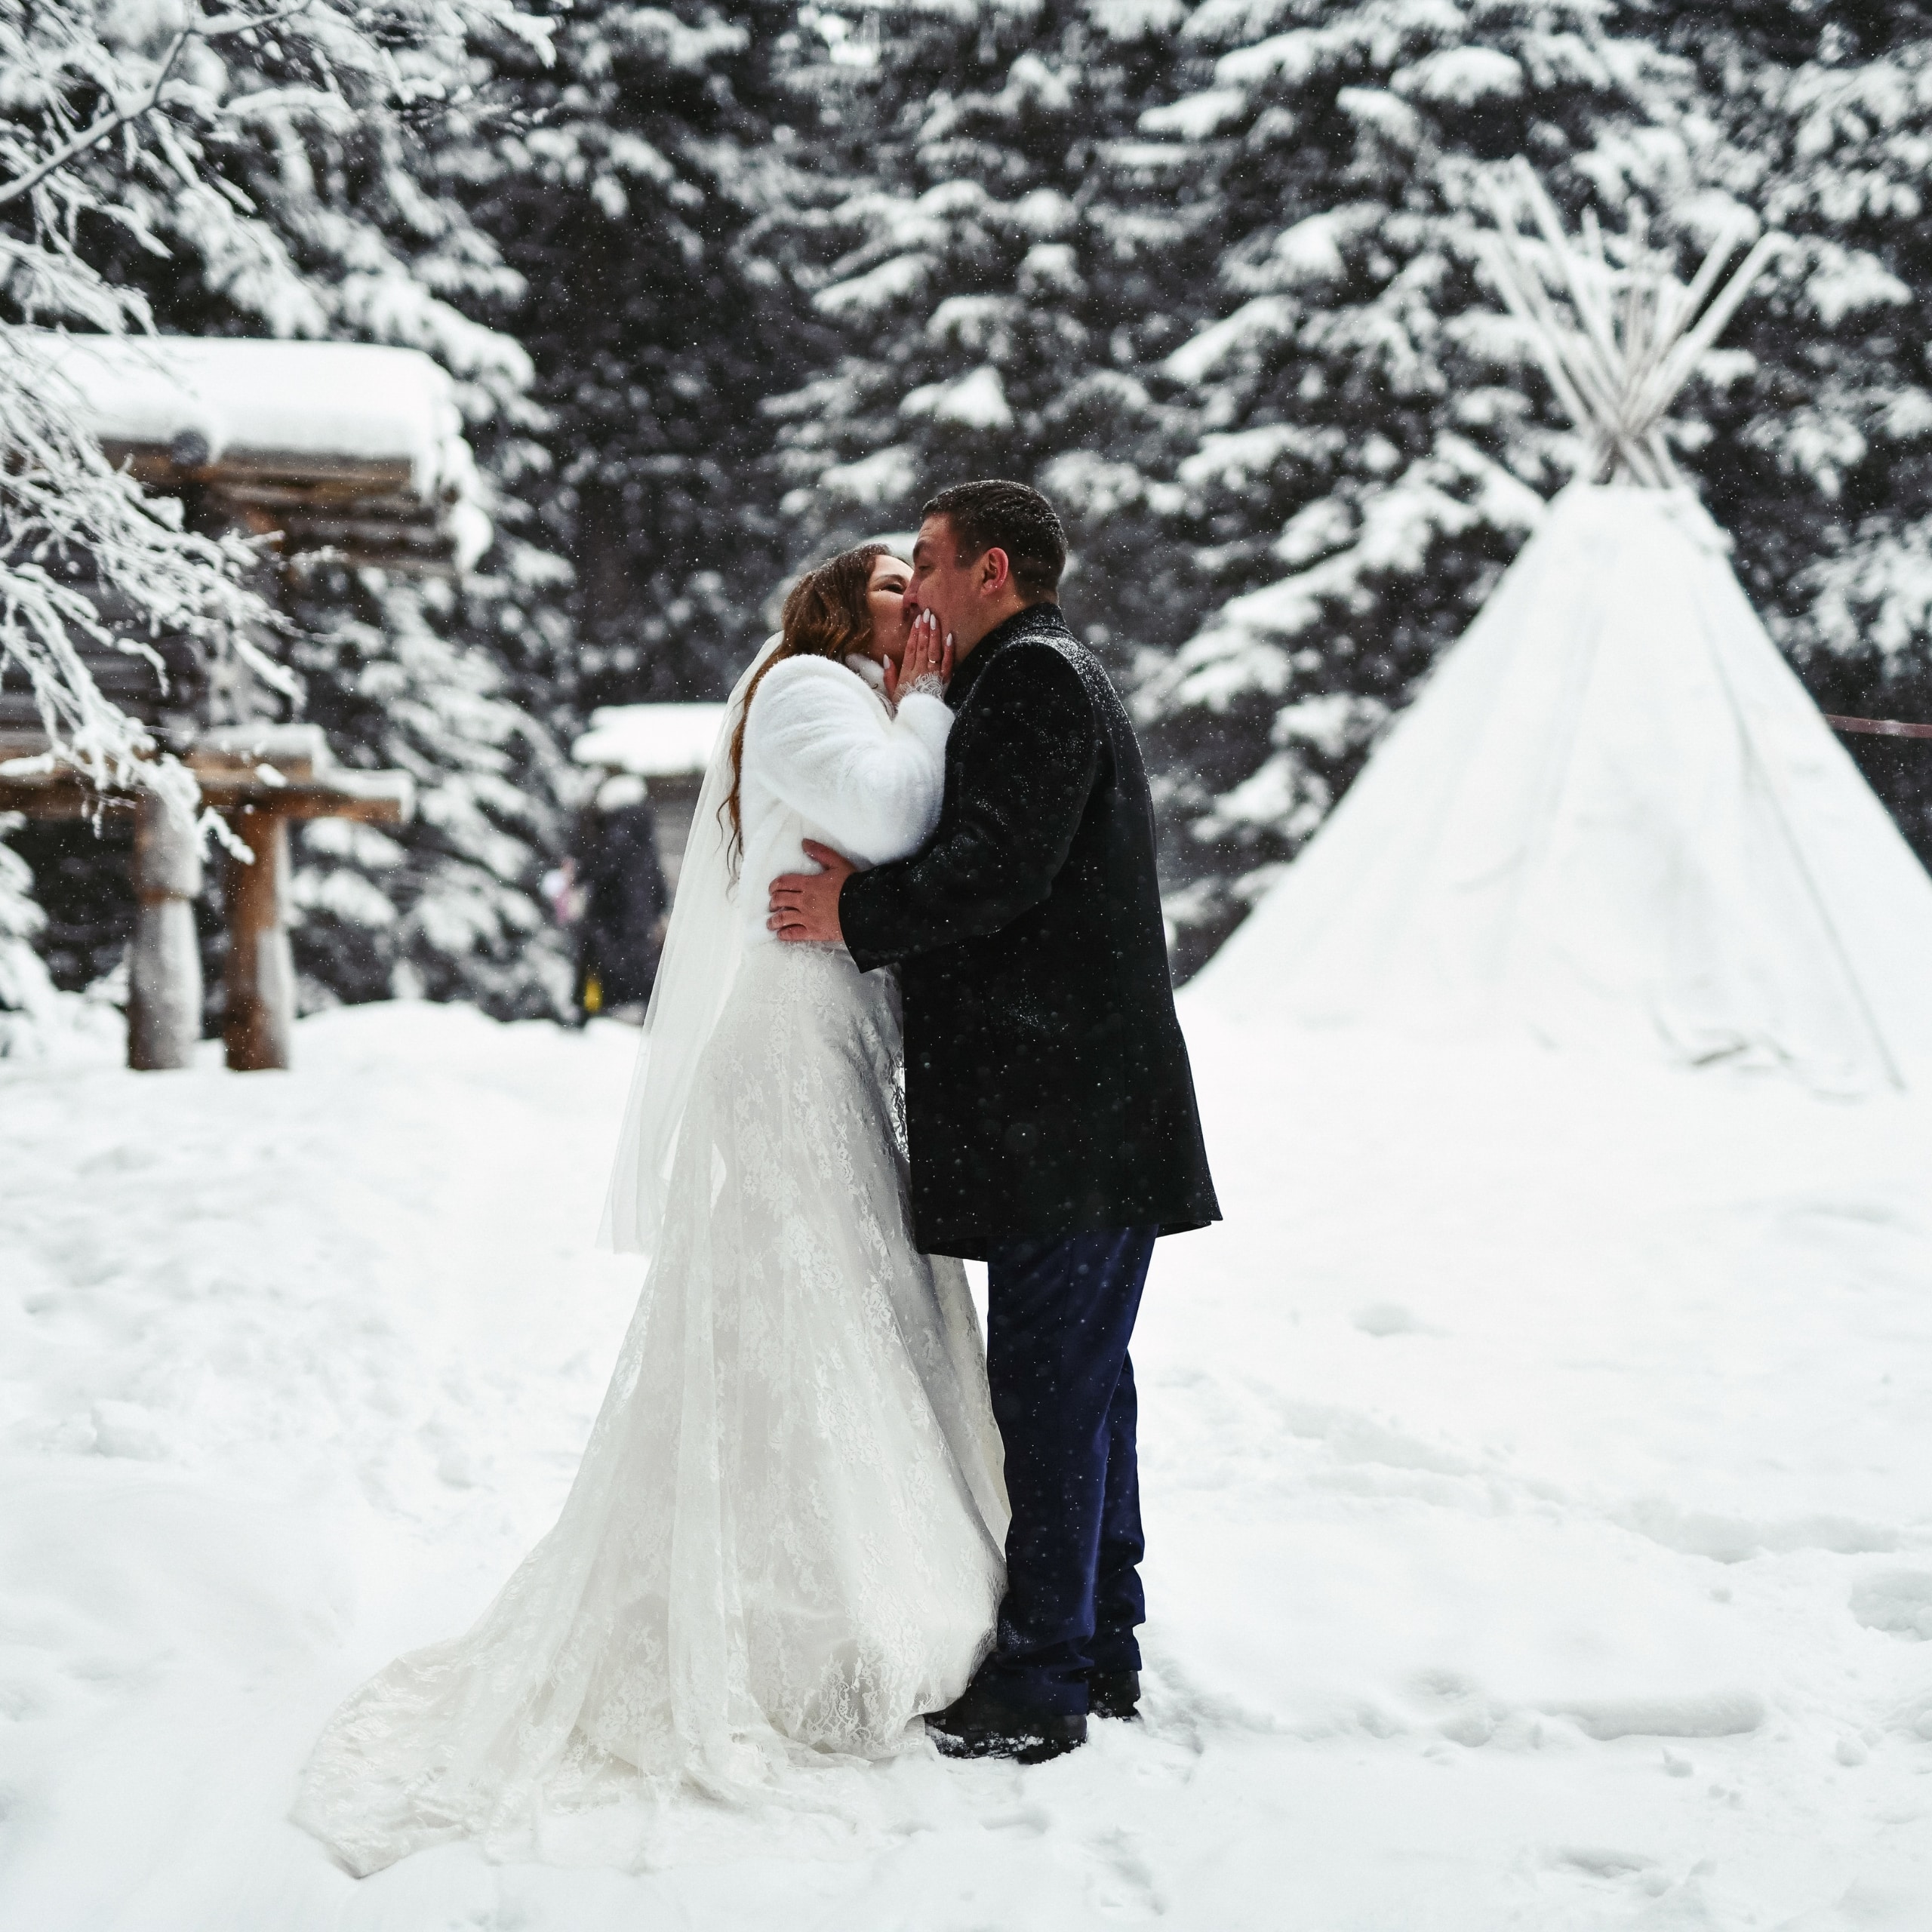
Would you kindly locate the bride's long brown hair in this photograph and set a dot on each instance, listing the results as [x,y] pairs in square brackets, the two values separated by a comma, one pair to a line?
[827,615]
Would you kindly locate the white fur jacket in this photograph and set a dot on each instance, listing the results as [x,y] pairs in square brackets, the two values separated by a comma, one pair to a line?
[826,758]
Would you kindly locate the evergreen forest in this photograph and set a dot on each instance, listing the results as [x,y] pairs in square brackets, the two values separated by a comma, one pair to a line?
[725,288]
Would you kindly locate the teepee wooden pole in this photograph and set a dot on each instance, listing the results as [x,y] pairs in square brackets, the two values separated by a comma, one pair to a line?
[1677,370]
[1665,318]
[1601,398]
[1593,240]
[1706,279]
[1596,322]
[1527,275]
[1586,385]
[1541,341]
[1632,336]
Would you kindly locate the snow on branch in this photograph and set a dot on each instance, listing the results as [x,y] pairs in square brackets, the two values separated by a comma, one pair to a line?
[105,109]
[78,538]
[116,113]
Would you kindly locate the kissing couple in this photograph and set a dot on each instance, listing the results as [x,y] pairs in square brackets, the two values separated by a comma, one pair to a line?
[816,1521]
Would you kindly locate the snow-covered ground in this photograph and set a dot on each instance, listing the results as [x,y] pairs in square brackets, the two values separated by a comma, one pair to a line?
[1539,1468]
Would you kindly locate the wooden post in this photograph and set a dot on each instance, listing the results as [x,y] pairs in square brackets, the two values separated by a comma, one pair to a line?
[164,963]
[261,968]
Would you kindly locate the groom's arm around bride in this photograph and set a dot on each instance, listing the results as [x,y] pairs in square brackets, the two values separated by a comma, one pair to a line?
[1051,1110]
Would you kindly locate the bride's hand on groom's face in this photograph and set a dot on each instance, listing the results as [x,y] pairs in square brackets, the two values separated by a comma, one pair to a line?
[927,663]
[805,906]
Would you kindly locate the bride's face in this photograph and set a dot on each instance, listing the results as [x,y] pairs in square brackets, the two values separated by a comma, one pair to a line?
[885,597]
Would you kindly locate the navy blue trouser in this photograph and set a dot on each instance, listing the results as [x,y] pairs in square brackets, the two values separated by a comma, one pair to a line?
[1059,1315]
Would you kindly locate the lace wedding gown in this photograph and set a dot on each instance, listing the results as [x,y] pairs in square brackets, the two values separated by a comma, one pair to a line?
[785,1538]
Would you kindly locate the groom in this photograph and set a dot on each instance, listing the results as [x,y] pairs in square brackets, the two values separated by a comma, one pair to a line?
[1049,1105]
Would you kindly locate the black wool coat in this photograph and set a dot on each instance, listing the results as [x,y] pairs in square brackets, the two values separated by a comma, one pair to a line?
[1047,1087]
[626,898]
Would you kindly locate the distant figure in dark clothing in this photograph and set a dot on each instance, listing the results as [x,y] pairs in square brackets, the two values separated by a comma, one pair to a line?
[622,899]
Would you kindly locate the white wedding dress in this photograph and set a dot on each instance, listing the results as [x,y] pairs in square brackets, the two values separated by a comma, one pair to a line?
[784,1542]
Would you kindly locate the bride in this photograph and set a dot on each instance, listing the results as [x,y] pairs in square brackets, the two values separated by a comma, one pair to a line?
[784,1542]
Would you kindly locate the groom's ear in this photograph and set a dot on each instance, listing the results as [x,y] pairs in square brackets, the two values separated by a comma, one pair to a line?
[995,571]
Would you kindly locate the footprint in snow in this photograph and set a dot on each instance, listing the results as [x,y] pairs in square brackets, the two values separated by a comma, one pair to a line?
[1383,1318]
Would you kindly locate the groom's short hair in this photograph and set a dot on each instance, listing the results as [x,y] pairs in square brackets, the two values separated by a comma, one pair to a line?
[996,515]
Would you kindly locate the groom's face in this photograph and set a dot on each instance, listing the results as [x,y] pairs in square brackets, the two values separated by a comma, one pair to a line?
[941,582]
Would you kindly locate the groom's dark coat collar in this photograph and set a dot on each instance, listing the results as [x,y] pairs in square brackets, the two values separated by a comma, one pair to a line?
[1029,622]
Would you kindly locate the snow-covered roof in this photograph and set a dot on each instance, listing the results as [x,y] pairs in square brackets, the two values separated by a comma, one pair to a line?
[208,398]
[652,740]
[376,429]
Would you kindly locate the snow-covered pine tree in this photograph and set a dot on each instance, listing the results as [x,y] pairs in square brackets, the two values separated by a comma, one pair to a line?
[1369,429]
[444,908]
[627,190]
[26,993]
[307,193]
[1819,459]
[999,259]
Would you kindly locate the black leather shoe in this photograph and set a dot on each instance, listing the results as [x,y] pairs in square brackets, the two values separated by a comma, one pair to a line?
[1115,1693]
[983,1724]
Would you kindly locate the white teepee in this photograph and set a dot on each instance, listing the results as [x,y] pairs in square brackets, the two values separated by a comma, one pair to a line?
[1613,817]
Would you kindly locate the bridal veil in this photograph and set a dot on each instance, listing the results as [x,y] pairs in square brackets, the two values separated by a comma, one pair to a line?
[703,949]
